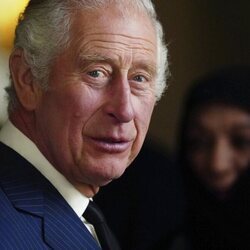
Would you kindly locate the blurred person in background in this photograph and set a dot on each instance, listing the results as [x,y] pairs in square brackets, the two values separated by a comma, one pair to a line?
[214,156]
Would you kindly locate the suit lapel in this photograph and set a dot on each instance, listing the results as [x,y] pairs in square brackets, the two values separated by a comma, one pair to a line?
[20,182]
[31,193]
[62,226]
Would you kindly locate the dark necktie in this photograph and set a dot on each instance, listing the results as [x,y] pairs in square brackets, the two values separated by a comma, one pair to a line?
[105,236]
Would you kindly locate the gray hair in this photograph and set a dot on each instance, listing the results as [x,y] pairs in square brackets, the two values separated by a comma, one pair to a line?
[43,32]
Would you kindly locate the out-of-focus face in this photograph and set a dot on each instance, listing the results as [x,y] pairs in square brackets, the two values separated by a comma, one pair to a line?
[93,119]
[219,145]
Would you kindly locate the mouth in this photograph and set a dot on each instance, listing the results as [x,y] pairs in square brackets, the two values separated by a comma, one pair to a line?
[222,182]
[111,145]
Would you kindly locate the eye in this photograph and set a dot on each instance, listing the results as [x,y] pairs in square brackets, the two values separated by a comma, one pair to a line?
[140,78]
[241,142]
[95,73]
[200,143]
[97,76]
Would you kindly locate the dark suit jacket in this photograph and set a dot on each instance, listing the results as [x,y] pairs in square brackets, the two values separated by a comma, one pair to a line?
[33,214]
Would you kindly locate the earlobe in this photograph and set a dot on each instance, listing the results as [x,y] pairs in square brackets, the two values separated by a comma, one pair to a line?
[27,90]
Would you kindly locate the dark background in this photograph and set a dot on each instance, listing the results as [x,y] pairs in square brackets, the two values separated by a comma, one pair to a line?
[202,35]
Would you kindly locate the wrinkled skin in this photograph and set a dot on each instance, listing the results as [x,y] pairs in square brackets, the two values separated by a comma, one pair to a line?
[92,121]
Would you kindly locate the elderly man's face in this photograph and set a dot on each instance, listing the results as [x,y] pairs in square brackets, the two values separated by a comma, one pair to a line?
[94,117]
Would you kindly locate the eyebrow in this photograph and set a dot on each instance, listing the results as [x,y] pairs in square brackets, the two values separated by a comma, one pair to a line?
[149,67]
[93,58]
[238,126]
[245,125]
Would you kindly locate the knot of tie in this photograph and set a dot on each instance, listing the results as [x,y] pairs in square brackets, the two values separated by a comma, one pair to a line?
[94,215]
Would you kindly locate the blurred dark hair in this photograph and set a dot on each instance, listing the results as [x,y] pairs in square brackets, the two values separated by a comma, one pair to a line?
[229,86]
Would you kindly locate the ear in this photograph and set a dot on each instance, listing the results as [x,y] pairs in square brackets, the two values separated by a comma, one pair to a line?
[27,89]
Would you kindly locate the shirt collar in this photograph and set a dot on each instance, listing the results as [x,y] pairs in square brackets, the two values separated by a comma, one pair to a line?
[15,139]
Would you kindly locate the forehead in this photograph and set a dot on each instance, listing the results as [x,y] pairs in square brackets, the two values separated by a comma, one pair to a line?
[220,117]
[110,29]
[110,16]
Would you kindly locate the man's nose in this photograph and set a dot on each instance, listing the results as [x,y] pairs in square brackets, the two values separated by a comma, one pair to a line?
[120,104]
[221,157]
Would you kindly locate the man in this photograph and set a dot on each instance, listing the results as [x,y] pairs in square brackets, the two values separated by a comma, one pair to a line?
[85,79]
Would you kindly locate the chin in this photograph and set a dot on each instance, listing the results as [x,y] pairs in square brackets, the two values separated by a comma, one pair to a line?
[102,178]
[113,176]
[221,192]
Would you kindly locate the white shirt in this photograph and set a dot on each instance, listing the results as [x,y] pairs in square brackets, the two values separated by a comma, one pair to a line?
[15,139]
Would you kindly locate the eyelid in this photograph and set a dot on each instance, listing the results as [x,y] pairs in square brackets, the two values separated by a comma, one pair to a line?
[96,70]
[148,77]
[104,68]
[86,64]
[147,69]
[101,79]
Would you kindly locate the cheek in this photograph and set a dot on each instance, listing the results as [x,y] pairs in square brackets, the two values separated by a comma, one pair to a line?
[143,113]
[79,109]
[198,162]
[73,101]
[64,113]
[242,163]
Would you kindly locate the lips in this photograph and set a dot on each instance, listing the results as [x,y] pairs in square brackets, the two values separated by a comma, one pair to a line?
[221,182]
[111,144]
